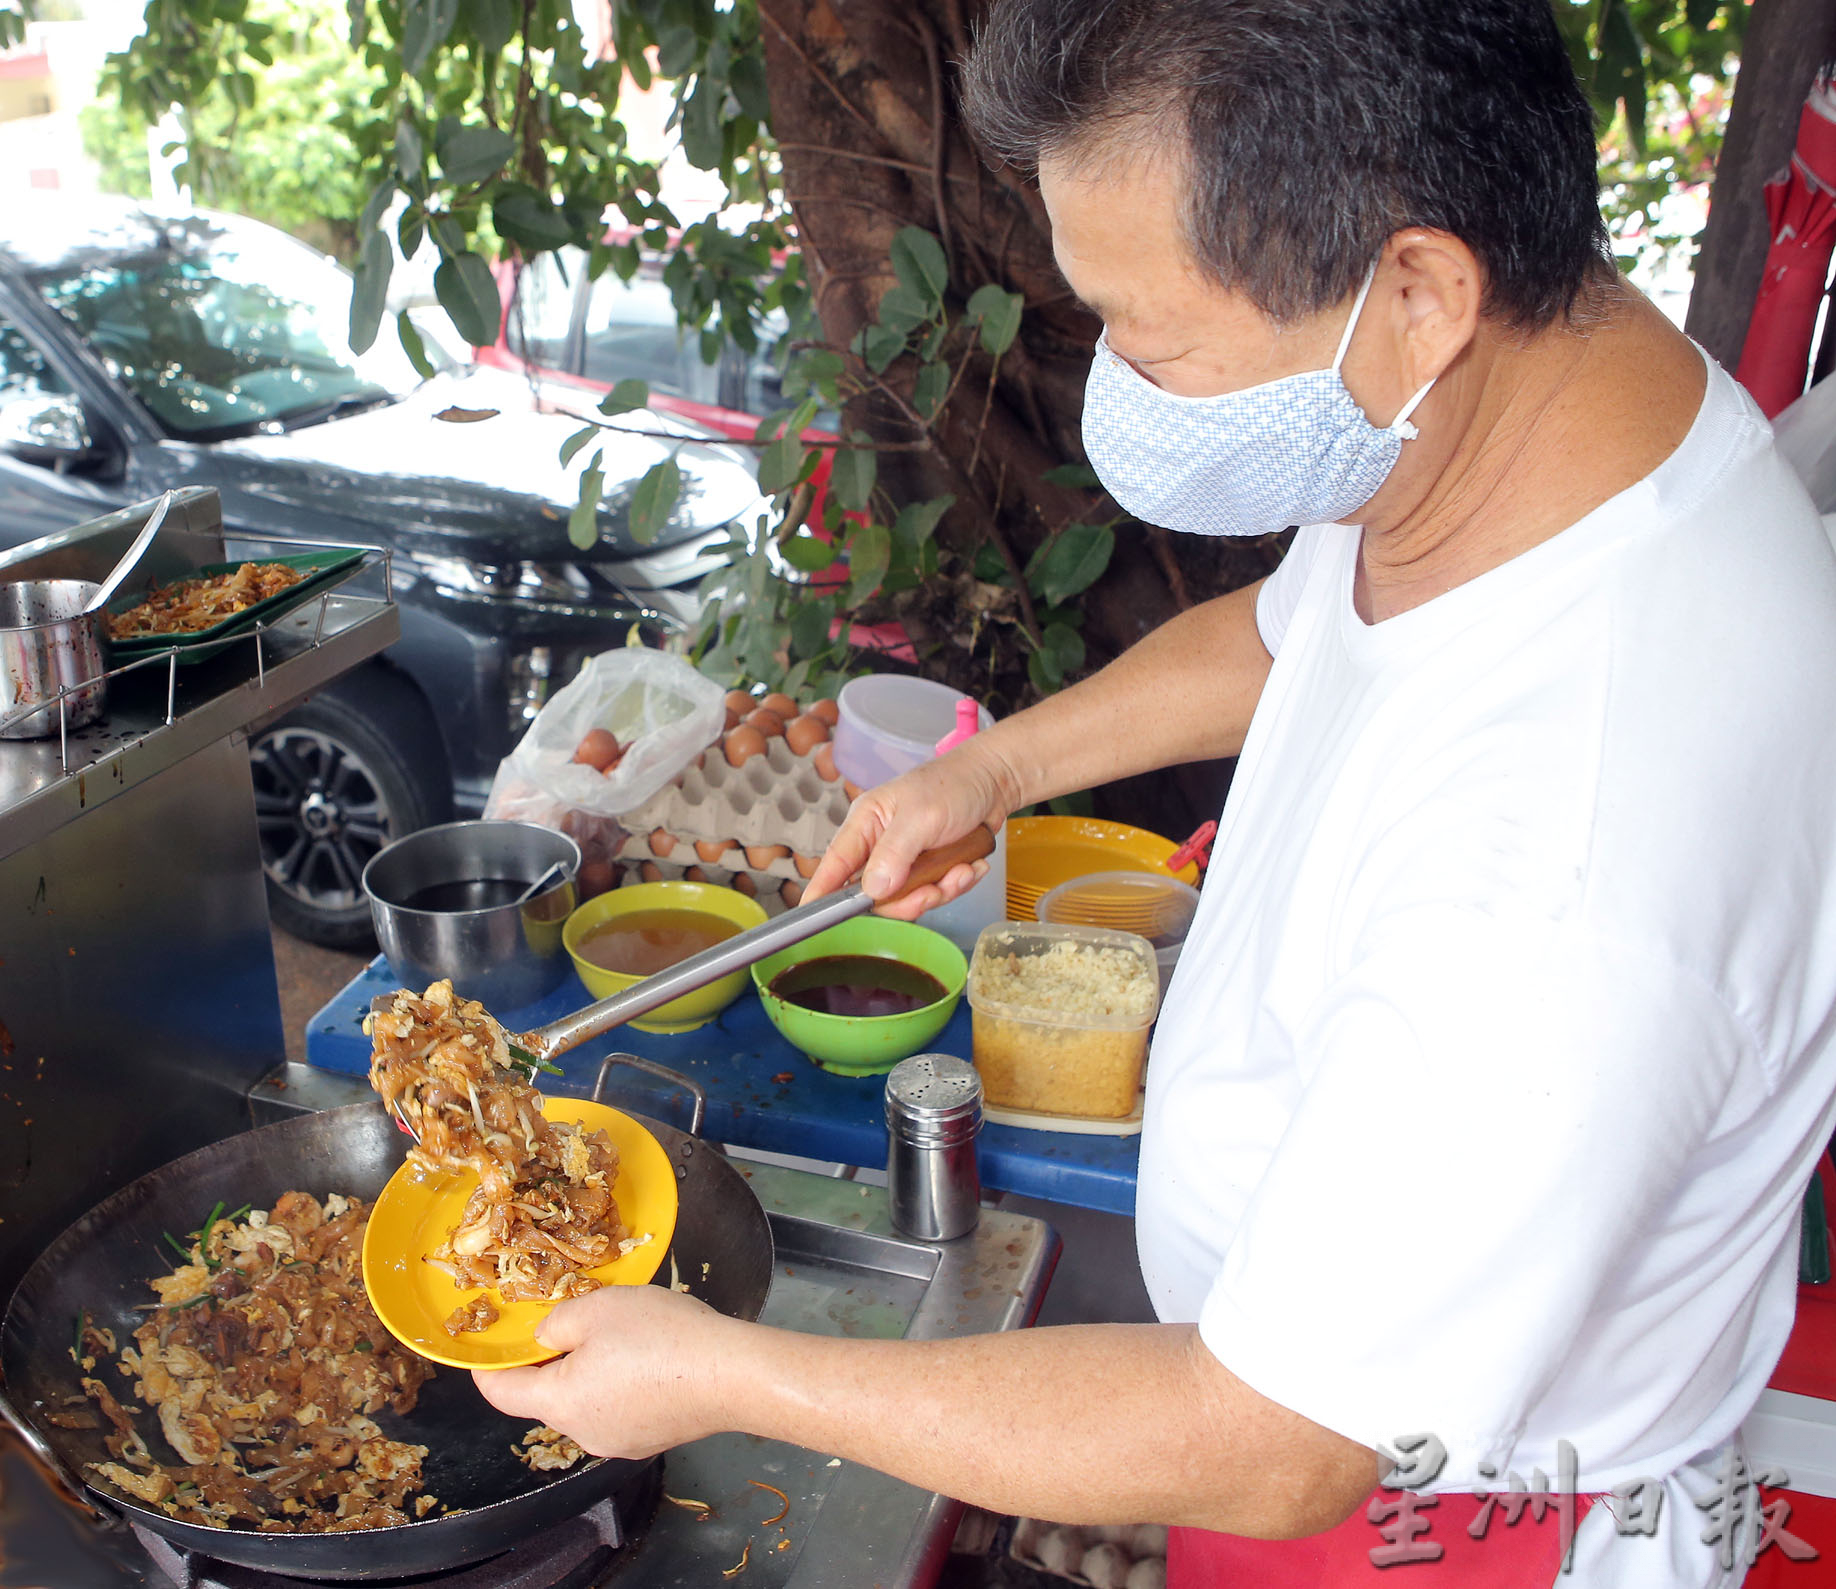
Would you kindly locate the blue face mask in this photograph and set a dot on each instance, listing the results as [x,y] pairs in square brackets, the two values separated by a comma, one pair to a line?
[1293,451]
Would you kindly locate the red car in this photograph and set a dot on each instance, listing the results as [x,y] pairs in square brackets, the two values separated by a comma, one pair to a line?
[573,331]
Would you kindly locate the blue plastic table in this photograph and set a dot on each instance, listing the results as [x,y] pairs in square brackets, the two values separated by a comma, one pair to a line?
[763,1093]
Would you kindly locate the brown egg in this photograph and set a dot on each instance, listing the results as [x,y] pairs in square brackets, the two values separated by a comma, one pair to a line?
[804,734]
[824,763]
[791,893]
[733,721]
[651,872]
[766,721]
[661,842]
[743,883]
[851,790]
[595,878]
[743,744]
[599,750]
[780,703]
[760,856]
[713,849]
[828,711]
[739,703]
[806,864]
[694,874]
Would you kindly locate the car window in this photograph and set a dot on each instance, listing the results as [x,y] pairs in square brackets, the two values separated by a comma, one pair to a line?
[536,328]
[215,329]
[23,371]
[631,334]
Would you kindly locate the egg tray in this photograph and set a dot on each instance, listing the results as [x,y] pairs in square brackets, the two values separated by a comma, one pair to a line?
[634,865]
[1104,1557]
[775,798]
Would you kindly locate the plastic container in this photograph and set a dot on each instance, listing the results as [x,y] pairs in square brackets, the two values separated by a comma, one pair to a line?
[889,724]
[1061,1017]
[1159,908]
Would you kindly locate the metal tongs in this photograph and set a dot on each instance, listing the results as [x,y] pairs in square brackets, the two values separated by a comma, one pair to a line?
[733,954]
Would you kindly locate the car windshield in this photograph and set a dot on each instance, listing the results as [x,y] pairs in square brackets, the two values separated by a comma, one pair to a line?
[218,328]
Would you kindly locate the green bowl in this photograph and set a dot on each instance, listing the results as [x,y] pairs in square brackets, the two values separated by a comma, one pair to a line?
[866,1045]
[692,1009]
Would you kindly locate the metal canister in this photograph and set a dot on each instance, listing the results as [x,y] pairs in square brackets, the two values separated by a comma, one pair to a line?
[933,1115]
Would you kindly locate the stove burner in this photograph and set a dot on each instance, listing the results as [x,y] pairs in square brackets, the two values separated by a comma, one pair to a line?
[575,1554]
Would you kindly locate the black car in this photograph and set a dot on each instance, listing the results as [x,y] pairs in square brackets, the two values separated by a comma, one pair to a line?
[141,350]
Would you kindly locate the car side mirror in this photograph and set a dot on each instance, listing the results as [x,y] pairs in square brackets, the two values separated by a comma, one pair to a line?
[46,428]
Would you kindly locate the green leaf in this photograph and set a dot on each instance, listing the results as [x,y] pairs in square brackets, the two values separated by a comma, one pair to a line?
[583,522]
[997,312]
[625,397]
[748,82]
[468,293]
[529,218]
[806,553]
[425,25]
[654,500]
[1075,476]
[370,290]
[1063,649]
[869,553]
[1072,562]
[919,519]
[410,337]
[410,157]
[930,389]
[410,230]
[779,465]
[493,23]
[376,207]
[809,628]
[852,474]
[702,144]
[879,347]
[918,261]
[904,309]
[570,449]
[472,154]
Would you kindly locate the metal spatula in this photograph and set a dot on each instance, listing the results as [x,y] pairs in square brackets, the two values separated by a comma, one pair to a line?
[733,954]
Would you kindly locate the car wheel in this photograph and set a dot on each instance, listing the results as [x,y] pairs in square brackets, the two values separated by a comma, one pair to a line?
[336,779]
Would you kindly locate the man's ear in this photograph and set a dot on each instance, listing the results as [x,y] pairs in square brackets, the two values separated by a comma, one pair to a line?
[1431,285]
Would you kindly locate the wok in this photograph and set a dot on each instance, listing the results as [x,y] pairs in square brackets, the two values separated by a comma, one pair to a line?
[102,1263]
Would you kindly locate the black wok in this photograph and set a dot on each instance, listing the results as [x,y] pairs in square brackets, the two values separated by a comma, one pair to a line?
[102,1264]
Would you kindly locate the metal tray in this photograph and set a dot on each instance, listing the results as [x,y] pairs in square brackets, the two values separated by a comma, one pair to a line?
[319,568]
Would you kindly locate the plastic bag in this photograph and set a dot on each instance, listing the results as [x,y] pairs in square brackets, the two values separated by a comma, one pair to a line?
[659,709]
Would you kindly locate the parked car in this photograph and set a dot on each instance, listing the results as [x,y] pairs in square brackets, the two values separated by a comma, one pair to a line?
[141,350]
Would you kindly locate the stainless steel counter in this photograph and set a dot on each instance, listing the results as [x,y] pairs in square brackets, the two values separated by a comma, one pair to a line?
[138,1001]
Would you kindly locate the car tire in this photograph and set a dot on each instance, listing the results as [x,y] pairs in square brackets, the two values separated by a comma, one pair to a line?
[346,772]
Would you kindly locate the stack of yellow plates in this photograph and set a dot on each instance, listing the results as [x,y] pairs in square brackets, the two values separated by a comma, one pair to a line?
[1043,852]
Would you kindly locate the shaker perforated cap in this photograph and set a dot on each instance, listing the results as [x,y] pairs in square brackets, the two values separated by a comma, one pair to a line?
[934,1096]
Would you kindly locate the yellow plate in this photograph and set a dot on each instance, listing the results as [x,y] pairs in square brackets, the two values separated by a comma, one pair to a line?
[1043,852]
[418,1208]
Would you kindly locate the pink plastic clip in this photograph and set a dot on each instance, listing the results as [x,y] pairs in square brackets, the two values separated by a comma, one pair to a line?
[1197,848]
[968,723]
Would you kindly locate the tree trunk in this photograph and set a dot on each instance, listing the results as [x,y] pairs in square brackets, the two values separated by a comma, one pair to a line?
[1787,42]
[865,111]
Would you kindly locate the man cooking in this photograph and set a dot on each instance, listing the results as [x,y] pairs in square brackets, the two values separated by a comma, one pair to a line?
[1499,1054]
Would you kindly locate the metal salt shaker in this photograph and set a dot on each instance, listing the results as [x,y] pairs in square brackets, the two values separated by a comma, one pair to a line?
[933,1114]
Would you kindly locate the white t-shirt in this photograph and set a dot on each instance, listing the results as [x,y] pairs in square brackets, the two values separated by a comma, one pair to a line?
[1502,1046]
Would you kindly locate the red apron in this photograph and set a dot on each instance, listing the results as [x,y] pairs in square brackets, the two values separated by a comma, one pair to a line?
[1526,1554]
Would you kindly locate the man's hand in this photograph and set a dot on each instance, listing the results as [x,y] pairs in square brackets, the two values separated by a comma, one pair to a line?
[889,827]
[639,1375]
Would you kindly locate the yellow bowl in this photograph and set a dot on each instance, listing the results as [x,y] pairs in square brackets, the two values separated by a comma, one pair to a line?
[419,1208]
[1043,852]
[692,1009]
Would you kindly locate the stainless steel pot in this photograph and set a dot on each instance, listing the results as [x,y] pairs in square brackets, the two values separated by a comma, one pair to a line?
[437,898]
[49,644]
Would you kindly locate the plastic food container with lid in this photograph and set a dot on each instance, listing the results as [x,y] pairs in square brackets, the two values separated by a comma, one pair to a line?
[1157,906]
[1061,1017]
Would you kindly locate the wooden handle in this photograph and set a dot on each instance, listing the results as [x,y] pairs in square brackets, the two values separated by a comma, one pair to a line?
[933,864]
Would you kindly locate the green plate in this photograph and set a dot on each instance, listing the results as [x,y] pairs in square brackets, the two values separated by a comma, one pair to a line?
[319,569]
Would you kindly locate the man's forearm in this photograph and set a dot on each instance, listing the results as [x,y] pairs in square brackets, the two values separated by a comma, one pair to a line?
[1087,1423]
[1183,693]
